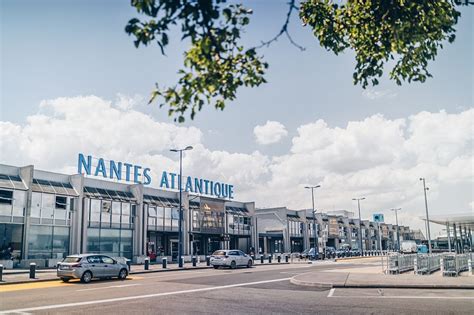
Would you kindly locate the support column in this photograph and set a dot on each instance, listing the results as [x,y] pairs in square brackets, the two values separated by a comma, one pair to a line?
[138,224]
[265,245]
[466,236]
[461,244]
[456,249]
[470,239]
[26,174]
[77,218]
[449,236]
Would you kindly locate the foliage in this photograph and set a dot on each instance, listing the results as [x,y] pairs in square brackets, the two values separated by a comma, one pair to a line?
[406,31]
[404,34]
[215,66]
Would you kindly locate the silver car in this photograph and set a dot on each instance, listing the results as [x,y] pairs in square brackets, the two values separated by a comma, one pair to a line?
[88,266]
[230,258]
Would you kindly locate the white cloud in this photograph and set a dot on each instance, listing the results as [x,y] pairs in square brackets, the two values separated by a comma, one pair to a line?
[379,158]
[271,132]
[373,94]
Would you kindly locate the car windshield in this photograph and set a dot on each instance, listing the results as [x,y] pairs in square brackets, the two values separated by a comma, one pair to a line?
[71,259]
[219,253]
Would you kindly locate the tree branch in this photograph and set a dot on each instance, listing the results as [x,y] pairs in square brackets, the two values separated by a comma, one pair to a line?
[284,30]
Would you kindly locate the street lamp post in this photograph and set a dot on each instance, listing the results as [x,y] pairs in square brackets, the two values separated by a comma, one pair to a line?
[316,249]
[398,228]
[360,229]
[180,222]
[427,217]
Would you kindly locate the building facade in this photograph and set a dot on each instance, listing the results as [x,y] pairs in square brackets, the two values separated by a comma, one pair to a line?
[284,230]
[46,216]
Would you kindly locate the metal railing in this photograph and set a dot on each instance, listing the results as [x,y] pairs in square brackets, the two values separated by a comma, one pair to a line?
[426,264]
[397,263]
[453,264]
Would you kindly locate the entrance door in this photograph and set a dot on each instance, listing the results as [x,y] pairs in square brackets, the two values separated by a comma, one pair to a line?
[174,250]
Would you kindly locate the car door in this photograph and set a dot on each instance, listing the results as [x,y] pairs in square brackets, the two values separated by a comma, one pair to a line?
[96,266]
[110,269]
[243,258]
[234,255]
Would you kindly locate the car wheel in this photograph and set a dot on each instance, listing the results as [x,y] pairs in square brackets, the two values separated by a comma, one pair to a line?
[65,279]
[123,274]
[86,277]
[233,265]
[249,264]
[215,267]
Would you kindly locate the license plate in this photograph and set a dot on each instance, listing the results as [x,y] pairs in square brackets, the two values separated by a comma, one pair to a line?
[65,267]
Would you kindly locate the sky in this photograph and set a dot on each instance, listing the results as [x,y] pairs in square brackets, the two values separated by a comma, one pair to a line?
[72,81]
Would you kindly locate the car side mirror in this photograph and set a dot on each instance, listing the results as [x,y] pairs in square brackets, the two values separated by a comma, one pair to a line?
[115,262]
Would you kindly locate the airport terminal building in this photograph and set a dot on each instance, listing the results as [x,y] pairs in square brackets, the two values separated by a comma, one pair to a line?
[284,230]
[45,216]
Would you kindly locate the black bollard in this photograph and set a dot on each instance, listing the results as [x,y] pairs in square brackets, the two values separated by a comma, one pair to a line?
[286,258]
[194,260]
[279,259]
[1,273]
[129,264]
[261,259]
[32,270]
[270,259]
[164,262]
[147,263]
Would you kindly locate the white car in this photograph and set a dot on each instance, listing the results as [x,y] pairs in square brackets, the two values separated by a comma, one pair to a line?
[230,258]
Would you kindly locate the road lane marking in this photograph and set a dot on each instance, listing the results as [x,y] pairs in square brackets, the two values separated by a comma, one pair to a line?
[331,292]
[32,285]
[137,297]
[46,284]
[110,287]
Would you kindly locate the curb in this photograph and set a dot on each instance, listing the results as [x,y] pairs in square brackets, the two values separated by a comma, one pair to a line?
[311,284]
[133,273]
[380,286]
[355,258]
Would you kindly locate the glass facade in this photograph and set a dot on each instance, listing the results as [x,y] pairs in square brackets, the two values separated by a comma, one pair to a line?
[110,227]
[209,218]
[239,224]
[48,235]
[11,236]
[47,241]
[12,205]
[295,228]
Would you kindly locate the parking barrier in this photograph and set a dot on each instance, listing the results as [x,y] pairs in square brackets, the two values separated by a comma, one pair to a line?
[147,263]
[453,264]
[208,261]
[286,258]
[261,259]
[1,272]
[397,263]
[194,261]
[426,264]
[164,262]
[270,259]
[129,264]
[32,270]
[279,259]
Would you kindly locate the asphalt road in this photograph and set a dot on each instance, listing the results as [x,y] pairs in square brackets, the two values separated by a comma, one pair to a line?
[259,290]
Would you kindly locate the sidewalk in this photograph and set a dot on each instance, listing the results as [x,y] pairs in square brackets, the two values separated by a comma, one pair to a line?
[17,276]
[367,278]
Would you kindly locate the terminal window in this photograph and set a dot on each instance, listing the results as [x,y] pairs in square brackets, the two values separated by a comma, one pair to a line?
[6,196]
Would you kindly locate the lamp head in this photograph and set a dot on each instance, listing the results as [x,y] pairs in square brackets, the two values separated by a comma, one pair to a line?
[173,150]
[188,148]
